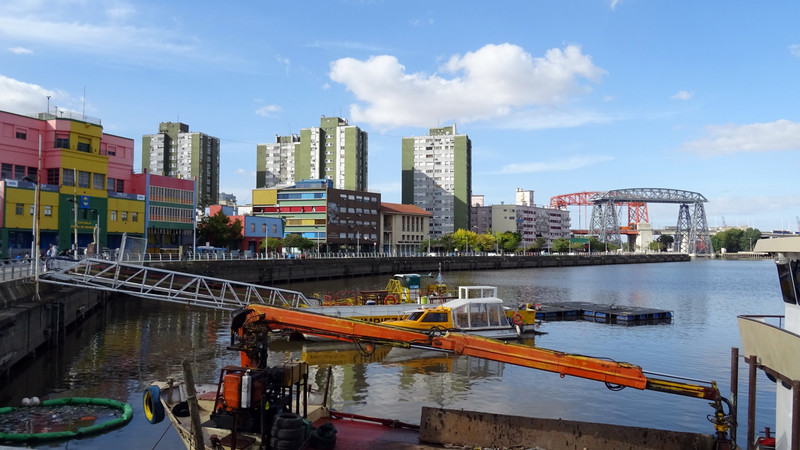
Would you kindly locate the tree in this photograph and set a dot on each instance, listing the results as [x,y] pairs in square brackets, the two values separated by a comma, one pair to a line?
[273,244]
[298,242]
[464,239]
[485,242]
[219,231]
[657,246]
[446,242]
[560,245]
[667,240]
[508,241]
[749,239]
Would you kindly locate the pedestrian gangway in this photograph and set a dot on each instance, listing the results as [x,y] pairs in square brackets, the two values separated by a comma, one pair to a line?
[167,285]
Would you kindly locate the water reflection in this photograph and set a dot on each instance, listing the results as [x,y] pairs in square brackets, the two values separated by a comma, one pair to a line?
[119,351]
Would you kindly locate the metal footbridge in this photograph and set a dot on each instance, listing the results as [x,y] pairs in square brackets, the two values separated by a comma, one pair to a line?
[167,285]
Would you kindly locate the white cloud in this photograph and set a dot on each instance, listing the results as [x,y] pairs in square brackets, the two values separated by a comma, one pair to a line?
[571,163]
[23,98]
[614,3]
[488,83]
[794,49]
[682,95]
[21,50]
[84,27]
[284,61]
[757,137]
[269,110]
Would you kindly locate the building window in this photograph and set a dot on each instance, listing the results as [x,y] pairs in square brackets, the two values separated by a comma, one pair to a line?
[52,176]
[18,210]
[98,181]
[84,146]
[274,229]
[123,216]
[111,182]
[22,134]
[61,142]
[48,210]
[113,216]
[5,170]
[69,177]
[134,216]
[252,228]
[19,172]
[83,179]
[120,185]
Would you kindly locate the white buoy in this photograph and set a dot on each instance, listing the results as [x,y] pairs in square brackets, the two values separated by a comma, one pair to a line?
[26,401]
[35,401]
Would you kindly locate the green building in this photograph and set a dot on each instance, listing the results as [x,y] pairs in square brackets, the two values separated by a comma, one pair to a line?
[176,152]
[437,177]
[334,151]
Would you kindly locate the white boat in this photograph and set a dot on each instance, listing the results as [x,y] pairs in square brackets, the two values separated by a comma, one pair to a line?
[772,343]
[477,310]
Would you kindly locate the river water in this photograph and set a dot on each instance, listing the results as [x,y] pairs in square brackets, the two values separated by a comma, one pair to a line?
[119,351]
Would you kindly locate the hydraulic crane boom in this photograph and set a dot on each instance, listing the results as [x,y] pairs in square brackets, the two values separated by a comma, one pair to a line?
[250,328]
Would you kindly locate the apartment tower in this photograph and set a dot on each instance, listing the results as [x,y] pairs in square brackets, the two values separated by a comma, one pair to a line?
[176,152]
[437,177]
[334,151]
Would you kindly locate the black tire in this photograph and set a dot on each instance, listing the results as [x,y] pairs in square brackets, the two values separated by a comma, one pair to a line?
[181,409]
[289,434]
[286,421]
[153,409]
[279,444]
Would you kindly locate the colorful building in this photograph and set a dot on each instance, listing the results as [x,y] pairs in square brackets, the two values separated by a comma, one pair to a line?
[170,204]
[77,166]
[337,220]
[89,193]
[255,229]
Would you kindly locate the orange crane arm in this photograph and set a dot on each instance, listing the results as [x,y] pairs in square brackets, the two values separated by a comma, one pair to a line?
[257,319]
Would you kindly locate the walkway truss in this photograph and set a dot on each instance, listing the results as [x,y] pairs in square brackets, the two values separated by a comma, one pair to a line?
[691,235]
[166,285]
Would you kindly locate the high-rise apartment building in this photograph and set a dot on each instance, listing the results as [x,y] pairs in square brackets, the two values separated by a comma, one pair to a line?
[333,151]
[437,177]
[176,152]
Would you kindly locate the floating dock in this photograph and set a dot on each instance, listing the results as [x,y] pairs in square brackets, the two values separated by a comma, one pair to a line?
[614,314]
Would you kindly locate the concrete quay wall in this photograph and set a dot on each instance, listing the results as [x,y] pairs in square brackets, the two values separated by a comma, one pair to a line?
[276,271]
[27,324]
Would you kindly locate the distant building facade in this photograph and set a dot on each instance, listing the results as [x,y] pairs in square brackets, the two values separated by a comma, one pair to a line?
[337,220]
[525,218]
[176,152]
[437,177]
[404,228]
[335,151]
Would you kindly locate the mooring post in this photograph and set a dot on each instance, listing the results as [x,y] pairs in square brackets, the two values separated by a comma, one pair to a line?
[194,409]
[751,402]
[734,389]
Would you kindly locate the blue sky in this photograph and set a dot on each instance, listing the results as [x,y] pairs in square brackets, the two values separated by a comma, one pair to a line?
[558,97]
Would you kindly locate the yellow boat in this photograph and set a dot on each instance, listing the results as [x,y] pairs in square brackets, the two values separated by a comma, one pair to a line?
[477,310]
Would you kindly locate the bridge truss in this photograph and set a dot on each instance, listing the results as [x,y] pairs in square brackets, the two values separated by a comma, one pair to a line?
[637,211]
[167,285]
[691,234]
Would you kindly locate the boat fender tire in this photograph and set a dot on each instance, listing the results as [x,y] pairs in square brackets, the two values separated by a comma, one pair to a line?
[153,409]
[517,319]
[181,409]
[289,434]
[288,421]
[280,444]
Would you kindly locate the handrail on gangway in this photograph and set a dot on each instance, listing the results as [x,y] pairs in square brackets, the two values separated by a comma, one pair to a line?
[168,285]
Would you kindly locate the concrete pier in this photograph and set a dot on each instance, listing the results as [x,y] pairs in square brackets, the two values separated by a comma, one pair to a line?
[275,271]
[26,324]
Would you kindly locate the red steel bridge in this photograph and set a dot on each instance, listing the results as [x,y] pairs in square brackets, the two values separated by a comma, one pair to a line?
[691,233]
